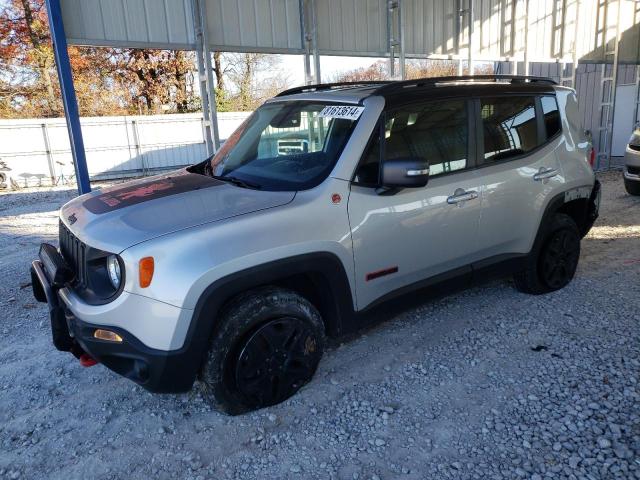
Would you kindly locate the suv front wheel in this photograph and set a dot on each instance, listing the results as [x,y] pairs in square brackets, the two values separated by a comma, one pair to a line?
[268,344]
[552,263]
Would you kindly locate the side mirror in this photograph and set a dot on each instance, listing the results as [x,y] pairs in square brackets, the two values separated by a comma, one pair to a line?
[410,172]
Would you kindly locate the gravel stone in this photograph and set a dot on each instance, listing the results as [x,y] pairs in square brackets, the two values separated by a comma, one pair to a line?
[486,383]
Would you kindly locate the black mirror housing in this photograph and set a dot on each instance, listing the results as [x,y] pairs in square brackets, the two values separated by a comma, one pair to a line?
[409,172]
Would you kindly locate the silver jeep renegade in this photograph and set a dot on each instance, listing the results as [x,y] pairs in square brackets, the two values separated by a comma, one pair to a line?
[328,201]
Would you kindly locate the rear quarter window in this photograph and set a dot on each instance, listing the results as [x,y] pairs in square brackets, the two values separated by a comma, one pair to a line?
[551,114]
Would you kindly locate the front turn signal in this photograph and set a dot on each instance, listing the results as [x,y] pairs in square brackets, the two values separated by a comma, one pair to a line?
[145,271]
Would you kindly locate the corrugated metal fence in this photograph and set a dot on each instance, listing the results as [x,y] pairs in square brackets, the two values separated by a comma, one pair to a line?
[37,150]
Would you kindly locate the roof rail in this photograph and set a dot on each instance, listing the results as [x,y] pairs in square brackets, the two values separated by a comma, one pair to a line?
[430,81]
[331,86]
[388,86]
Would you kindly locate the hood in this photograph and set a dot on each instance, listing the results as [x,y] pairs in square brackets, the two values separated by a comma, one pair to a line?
[120,216]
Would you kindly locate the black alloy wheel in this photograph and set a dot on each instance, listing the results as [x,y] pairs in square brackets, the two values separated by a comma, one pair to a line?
[275,361]
[553,260]
[267,345]
[559,258]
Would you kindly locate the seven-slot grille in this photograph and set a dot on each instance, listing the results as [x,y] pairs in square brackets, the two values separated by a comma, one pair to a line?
[74,252]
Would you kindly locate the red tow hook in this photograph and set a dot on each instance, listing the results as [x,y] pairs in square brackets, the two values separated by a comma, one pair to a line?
[87,360]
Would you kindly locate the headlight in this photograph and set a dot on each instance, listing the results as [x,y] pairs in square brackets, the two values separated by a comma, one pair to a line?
[113,267]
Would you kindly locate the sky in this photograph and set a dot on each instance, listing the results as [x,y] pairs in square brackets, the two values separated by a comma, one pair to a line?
[329,66]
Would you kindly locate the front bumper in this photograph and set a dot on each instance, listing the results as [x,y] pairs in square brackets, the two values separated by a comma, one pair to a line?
[154,369]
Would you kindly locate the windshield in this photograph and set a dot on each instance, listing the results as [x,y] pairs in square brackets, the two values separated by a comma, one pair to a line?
[285,145]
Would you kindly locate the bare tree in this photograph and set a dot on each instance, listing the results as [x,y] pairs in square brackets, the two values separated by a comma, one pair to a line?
[248,79]
[413,69]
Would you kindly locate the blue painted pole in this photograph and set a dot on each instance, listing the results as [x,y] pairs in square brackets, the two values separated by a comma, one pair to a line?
[69,99]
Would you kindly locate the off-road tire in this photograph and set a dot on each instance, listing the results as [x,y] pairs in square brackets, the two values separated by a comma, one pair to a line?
[632,187]
[244,317]
[535,278]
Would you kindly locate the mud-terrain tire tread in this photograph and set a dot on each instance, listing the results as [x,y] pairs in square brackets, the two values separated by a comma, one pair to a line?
[242,315]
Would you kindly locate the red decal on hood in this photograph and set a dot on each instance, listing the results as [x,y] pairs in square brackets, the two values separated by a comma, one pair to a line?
[124,196]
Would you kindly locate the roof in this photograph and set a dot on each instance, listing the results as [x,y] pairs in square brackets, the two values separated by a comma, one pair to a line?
[353,92]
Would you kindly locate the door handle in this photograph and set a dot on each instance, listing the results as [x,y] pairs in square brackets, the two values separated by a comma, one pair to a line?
[545,173]
[461,195]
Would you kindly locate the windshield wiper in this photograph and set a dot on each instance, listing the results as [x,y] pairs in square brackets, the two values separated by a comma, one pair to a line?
[236,181]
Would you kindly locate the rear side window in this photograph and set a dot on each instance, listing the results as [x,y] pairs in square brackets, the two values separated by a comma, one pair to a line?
[551,115]
[509,127]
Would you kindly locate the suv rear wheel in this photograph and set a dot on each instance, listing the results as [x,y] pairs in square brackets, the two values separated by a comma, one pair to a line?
[554,259]
[268,345]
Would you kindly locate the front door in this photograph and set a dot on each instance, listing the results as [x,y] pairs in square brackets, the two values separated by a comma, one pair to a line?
[400,238]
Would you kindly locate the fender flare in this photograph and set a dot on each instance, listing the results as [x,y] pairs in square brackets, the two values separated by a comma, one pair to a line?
[340,303]
[586,192]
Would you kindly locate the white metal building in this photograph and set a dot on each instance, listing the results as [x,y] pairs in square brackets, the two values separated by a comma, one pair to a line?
[519,32]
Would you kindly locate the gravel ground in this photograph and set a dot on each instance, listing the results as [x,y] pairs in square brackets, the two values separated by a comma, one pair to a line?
[487,383]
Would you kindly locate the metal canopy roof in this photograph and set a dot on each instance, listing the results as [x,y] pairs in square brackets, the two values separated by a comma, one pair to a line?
[421,28]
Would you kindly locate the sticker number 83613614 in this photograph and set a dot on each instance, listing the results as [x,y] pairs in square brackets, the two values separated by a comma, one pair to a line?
[348,112]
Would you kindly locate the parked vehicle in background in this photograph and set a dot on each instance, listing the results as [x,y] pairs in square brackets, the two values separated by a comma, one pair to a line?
[631,172]
[329,200]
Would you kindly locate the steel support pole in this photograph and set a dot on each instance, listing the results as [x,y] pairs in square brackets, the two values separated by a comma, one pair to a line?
[401,40]
[205,76]
[314,41]
[207,65]
[390,39]
[459,28]
[614,83]
[69,99]
[395,37]
[526,38]
[306,39]
[470,52]
[574,53]
[204,98]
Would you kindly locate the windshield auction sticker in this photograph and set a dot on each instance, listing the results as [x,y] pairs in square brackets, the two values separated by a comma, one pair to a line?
[348,112]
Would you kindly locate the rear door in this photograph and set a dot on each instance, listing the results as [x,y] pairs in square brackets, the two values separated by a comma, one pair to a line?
[403,237]
[518,167]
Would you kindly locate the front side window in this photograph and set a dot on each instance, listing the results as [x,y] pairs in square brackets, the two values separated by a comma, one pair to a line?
[509,127]
[436,132]
[551,115]
[285,146]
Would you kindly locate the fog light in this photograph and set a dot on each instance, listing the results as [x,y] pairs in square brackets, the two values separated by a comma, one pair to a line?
[107,335]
